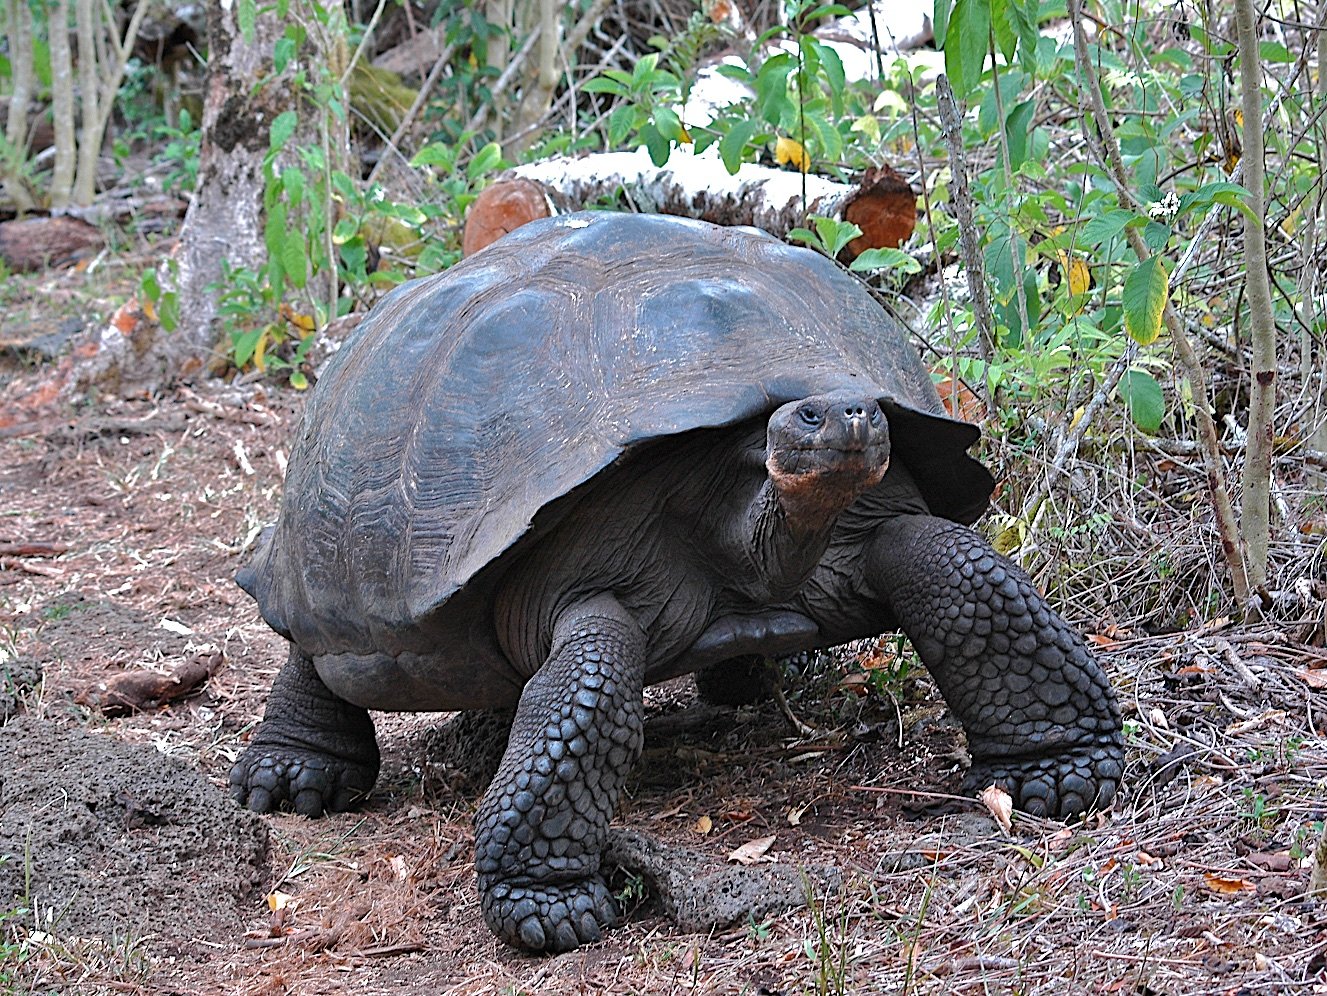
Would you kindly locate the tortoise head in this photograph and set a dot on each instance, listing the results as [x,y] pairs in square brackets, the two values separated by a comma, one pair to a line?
[823,452]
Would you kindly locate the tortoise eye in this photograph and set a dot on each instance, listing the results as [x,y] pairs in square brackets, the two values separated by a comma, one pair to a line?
[809,416]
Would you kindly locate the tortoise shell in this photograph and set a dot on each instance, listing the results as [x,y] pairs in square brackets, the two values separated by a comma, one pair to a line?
[460,416]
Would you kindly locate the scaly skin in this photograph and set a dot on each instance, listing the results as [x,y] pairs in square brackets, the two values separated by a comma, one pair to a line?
[1039,713]
[542,826]
[313,751]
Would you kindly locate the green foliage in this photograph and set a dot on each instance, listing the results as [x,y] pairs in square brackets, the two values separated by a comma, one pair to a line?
[332,241]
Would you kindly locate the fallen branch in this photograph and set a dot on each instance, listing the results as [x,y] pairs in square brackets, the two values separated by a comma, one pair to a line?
[139,691]
[882,203]
[35,548]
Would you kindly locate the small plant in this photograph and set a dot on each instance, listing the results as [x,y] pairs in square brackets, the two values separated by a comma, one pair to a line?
[633,890]
[1258,813]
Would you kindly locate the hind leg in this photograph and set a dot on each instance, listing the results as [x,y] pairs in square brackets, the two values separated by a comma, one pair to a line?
[313,752]
[1039,713]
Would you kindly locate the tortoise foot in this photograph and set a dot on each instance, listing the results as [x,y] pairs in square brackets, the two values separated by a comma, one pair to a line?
[1063,786]
[270,777]
[544,917]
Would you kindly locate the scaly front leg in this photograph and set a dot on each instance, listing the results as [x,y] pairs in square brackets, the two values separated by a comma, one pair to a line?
[1039,713]
[542,826]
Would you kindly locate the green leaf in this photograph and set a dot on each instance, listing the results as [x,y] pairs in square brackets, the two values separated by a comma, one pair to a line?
[246,15]
[885,259]
[658,147]
[344,231]
[620,123]
[245,344]
[149,287]
[298,381]
[668,123]
[735,141]
[295,259]
[940,21]
[487,158]
[601,84]
[1018,128]
[1142,395]
[282,53]
[283,126]
[967,42]
[772,88]
[292,182]
[1108,226]
[833,234]
[168,311]
[1146,290]
[1004,27]
[435,154]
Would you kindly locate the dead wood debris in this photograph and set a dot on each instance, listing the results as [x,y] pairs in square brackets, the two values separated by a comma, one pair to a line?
[139,691]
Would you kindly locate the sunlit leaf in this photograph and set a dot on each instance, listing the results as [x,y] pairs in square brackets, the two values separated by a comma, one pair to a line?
[789,150]
[1146,290]
[885,259]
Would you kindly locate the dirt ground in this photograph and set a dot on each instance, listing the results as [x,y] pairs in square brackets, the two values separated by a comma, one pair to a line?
[128,869]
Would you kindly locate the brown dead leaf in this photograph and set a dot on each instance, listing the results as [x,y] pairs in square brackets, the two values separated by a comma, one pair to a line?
[753,851]
[1001,805]
[1312,678]
[1226,886]
[703,825]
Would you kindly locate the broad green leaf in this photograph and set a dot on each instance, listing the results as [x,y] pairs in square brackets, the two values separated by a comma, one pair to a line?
[295,259]
[885,259]
[1018,128]
[298,381]
[1142,395]
[940,21]
[668,123]
[1146,290]
[834,234]
[735,141]
[168,311]
[282,53]
[149,287]
[487,158]
[344,231]
[283,126]
[1004,27]
[620,122]
[435,154]
[966,44]
[245,343]
[658,147]
[1105,227]
[601,84]
[292,182]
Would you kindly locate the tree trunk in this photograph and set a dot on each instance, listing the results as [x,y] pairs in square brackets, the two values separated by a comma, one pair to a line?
[87,14]
[19,18]
[224,220]
[62,105]
[881,204]
[1255,515]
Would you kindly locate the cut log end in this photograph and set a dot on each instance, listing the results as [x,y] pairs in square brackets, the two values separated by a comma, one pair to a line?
[501,208]
[885,211]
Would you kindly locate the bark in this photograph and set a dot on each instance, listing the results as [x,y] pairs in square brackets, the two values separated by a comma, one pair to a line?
[86,17]
[18,16]
[1255,519]
[62,105]
[691,186]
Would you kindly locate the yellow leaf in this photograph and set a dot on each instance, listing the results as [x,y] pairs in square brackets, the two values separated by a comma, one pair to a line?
[277,901]
[703,825]
[1080,277]
[302,322]
[788,150]
[685,137]
[259,360]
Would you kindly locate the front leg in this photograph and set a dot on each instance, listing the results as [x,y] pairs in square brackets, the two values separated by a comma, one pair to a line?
[1039,713]
[541,828]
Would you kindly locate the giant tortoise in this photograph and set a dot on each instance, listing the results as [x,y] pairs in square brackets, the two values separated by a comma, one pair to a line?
[612,449]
